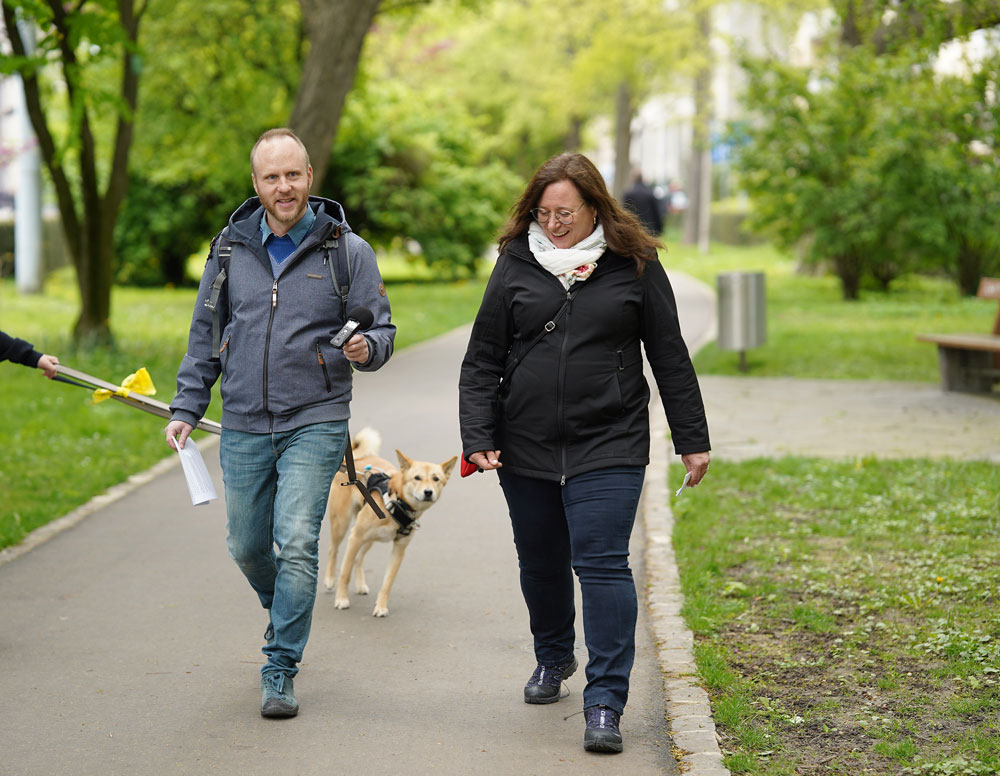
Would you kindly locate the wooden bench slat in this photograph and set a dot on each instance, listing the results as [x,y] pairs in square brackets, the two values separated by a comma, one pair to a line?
[964,341]
[970,362]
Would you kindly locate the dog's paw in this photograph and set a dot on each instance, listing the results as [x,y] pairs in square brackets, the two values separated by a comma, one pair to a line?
[342,603]
[329,584]
[380,611]
[361,589]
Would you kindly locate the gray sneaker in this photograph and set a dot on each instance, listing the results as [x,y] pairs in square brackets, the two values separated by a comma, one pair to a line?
[277,696]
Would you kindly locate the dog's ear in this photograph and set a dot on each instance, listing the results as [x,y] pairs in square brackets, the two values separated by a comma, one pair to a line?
[405,462]
[449,465]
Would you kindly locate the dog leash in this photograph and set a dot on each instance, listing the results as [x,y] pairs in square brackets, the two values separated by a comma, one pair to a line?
[352,479]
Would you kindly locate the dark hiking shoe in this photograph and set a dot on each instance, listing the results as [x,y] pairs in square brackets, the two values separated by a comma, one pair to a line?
[602,734]
[277,696]
[545,684]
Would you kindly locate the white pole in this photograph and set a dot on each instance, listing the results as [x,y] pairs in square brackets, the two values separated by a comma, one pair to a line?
[28,271]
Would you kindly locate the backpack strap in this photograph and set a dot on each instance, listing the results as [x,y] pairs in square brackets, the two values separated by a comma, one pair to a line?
[338,256]
[225,252]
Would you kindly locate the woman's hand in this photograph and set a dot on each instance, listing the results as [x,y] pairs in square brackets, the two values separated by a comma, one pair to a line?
[487,460]
[697,464]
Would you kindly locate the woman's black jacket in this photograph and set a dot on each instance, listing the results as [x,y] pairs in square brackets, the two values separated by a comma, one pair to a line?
[578,401]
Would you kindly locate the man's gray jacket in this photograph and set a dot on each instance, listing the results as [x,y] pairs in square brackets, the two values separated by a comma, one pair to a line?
[279,371]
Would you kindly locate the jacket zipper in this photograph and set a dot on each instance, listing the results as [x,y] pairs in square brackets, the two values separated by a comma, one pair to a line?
[560,408]
[224,349]
[322,363]
[267,346]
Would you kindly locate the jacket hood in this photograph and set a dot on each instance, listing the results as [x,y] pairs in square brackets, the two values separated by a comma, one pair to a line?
[244,223]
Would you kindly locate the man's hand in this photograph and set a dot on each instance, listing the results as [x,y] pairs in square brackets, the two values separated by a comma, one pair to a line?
[356,349]
[177,432]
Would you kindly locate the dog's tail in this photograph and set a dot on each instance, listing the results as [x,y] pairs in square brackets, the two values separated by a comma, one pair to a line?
[366,442]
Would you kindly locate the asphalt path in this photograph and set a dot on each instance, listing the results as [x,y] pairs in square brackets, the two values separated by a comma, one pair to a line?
[132,643]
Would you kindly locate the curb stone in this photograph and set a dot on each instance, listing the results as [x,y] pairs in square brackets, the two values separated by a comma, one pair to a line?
[689,713]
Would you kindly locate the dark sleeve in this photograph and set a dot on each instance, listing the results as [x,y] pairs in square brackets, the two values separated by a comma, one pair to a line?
[18,351]
[671,364]
[483,367]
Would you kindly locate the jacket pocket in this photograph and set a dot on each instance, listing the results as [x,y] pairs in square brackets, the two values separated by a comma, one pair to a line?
[631,383]
[322,365]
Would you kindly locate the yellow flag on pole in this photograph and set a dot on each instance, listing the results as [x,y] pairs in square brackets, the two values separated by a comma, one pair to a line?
[137,382]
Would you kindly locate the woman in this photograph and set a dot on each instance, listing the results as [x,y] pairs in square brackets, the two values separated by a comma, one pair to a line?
[553,378]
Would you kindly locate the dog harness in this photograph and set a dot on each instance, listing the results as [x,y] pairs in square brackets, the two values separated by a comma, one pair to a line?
[401,512]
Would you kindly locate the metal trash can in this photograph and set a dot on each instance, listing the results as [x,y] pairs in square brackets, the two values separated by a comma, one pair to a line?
[742,308]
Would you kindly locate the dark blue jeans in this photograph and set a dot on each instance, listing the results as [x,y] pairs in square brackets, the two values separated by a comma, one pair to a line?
[583,527]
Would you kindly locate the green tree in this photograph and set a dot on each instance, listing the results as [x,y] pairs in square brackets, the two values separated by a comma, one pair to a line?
[410,167]
[94,46]
[218,75]
[867,160]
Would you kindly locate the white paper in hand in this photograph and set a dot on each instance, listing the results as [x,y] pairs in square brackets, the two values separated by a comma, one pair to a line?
[199,481]
[687,479]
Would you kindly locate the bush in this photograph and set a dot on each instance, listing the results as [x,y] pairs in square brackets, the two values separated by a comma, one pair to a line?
[411,171]
[158,228]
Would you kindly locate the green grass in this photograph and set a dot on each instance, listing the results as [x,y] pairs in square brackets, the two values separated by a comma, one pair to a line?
[813,333]
[60,450]
[846,613]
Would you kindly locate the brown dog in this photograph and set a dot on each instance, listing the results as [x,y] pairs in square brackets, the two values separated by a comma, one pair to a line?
[412,489]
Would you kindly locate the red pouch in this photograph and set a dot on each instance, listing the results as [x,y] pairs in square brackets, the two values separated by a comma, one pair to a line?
[468,468]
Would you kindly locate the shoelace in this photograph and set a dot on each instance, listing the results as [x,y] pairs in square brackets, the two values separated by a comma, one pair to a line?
[552,678]
[275,681]
[601,717]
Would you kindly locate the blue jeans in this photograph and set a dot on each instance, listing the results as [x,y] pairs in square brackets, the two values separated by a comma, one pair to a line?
[584,527]
[277,487]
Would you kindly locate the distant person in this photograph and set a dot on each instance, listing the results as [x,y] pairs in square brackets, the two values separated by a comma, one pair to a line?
[640,199]
[21,352]
[677,201]
[553,378]
[286,390]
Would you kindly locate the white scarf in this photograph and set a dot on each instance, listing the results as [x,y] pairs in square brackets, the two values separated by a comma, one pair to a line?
[567,264]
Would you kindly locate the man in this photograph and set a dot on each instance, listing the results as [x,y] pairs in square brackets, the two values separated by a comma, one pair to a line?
[285,389]
[640,199]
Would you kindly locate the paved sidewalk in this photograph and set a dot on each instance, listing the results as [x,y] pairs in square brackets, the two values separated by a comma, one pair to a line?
[133,641]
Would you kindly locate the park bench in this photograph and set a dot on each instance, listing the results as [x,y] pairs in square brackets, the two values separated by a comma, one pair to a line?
[970,362]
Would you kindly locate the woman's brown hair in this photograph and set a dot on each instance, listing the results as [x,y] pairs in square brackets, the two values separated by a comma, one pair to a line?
[622,230]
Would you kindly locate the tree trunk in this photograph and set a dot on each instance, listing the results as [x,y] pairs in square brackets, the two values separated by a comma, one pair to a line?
[970,268]
[848,269]
[699,183]
[574,135]
[336,31]
[624,111]
[93,277]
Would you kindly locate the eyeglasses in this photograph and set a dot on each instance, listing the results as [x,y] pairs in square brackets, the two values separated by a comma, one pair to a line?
[564,217]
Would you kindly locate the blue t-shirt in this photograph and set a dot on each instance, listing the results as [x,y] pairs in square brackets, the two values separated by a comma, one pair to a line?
[280,248]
